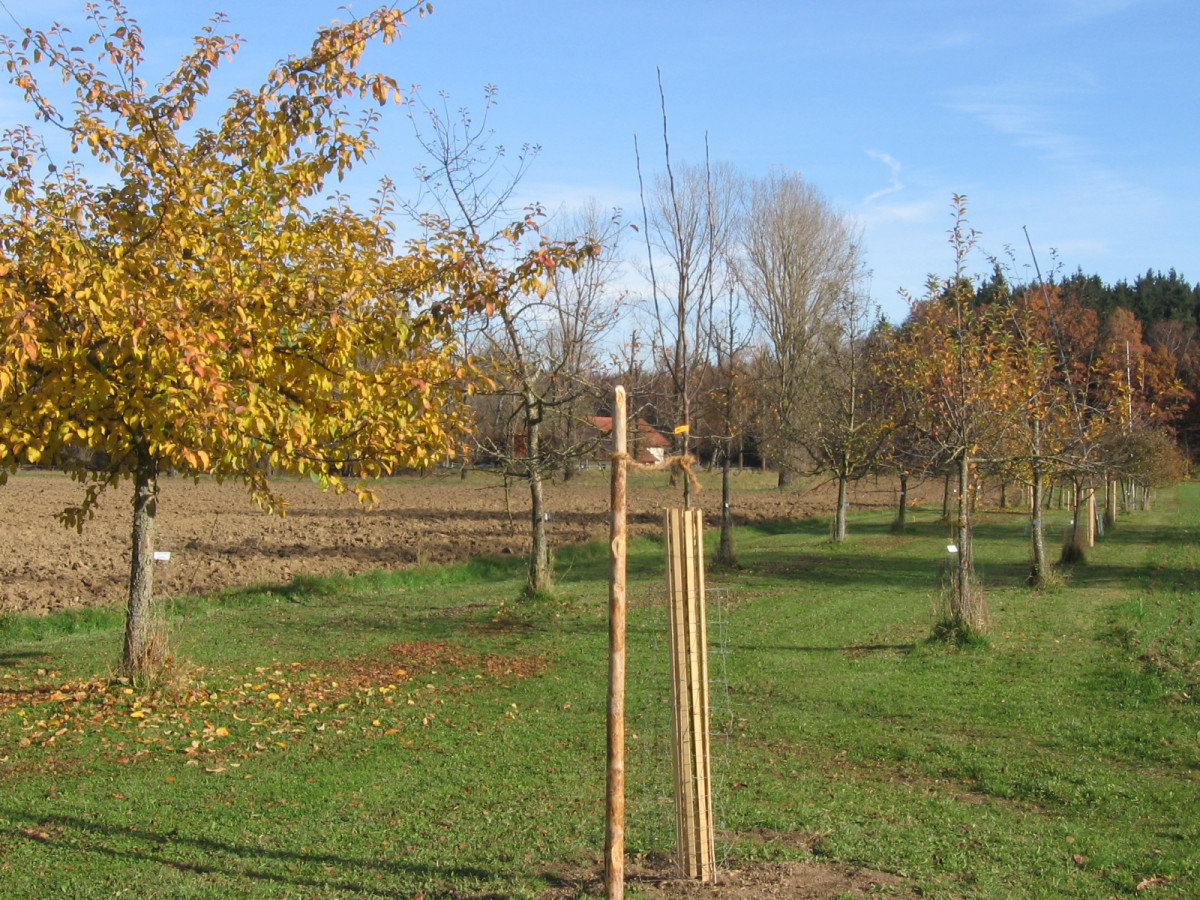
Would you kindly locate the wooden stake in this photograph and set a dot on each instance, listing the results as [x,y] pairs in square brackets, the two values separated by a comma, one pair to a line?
[1088,508]
[614,836]
[689,694]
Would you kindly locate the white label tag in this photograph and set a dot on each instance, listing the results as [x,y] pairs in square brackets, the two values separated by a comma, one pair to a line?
[162,555]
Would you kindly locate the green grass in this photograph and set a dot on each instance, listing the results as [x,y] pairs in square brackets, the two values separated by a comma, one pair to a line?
[425,733]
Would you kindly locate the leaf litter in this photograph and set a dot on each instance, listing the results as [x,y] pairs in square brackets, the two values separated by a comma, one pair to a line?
[211,717]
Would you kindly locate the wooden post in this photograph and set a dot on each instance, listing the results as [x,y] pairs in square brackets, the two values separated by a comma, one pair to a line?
[614,835]
[1087,507]
[689,694]
[1110,502]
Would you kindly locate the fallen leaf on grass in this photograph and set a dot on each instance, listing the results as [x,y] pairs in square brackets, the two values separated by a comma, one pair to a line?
[1152,882]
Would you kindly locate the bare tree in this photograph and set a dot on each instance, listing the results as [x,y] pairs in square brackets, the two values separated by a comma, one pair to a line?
[466,178]
[845,433]
[538,345]
[800,259]
[689,220]
[539,351]
[583,309]
[726,402]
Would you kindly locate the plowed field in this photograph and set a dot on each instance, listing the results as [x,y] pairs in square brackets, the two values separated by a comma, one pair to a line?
[218,538]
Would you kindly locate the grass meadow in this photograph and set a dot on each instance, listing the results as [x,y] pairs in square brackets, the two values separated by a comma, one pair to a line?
[425,733]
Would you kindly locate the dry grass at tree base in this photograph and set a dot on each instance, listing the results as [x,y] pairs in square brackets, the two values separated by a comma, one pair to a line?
[219,539]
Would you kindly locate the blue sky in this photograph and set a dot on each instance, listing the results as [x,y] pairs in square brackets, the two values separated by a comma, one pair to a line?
[1075,118]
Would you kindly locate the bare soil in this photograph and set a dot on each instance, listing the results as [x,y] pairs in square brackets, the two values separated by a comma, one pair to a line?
[783,880]
[217,538]
[793,880]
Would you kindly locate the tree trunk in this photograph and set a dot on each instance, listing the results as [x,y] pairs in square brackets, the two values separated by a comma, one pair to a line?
[1083,529]
[839,517]
[1039,572]
[540,574]
[962,540]
[902,504]
[1110,503]
[946,492]
[726,555]
[785,477]
[686,445]
[1085,514]
[571,464]
[967,610]
[541,578]
[145,640]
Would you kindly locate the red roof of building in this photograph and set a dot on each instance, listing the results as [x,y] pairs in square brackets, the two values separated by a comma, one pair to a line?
[647,439]
[647,434]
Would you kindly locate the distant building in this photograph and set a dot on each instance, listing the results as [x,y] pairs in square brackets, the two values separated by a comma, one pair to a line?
[650,444]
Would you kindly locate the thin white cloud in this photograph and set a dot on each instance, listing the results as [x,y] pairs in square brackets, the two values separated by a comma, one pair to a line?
[894,183]
[1031,117]
[1007,110]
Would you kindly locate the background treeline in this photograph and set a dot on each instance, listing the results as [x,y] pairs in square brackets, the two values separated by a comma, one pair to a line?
[1167,307]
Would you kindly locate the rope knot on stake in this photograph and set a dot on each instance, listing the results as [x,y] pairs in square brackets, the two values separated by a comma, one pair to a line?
[680,464]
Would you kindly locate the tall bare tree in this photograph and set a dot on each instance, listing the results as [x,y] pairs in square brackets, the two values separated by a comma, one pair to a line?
[689,220]
[800,259]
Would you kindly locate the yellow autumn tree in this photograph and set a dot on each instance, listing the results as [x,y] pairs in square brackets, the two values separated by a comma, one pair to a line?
[182,295]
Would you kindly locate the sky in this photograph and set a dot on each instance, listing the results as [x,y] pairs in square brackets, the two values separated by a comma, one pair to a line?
[1073,120]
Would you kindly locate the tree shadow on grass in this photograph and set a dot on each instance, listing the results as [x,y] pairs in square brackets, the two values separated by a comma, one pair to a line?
[841,570]
[851,649]
[231,860]
[813,526]
[12,658]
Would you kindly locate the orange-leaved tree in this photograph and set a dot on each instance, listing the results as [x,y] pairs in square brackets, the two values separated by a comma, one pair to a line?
[183,297]
[958,382]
